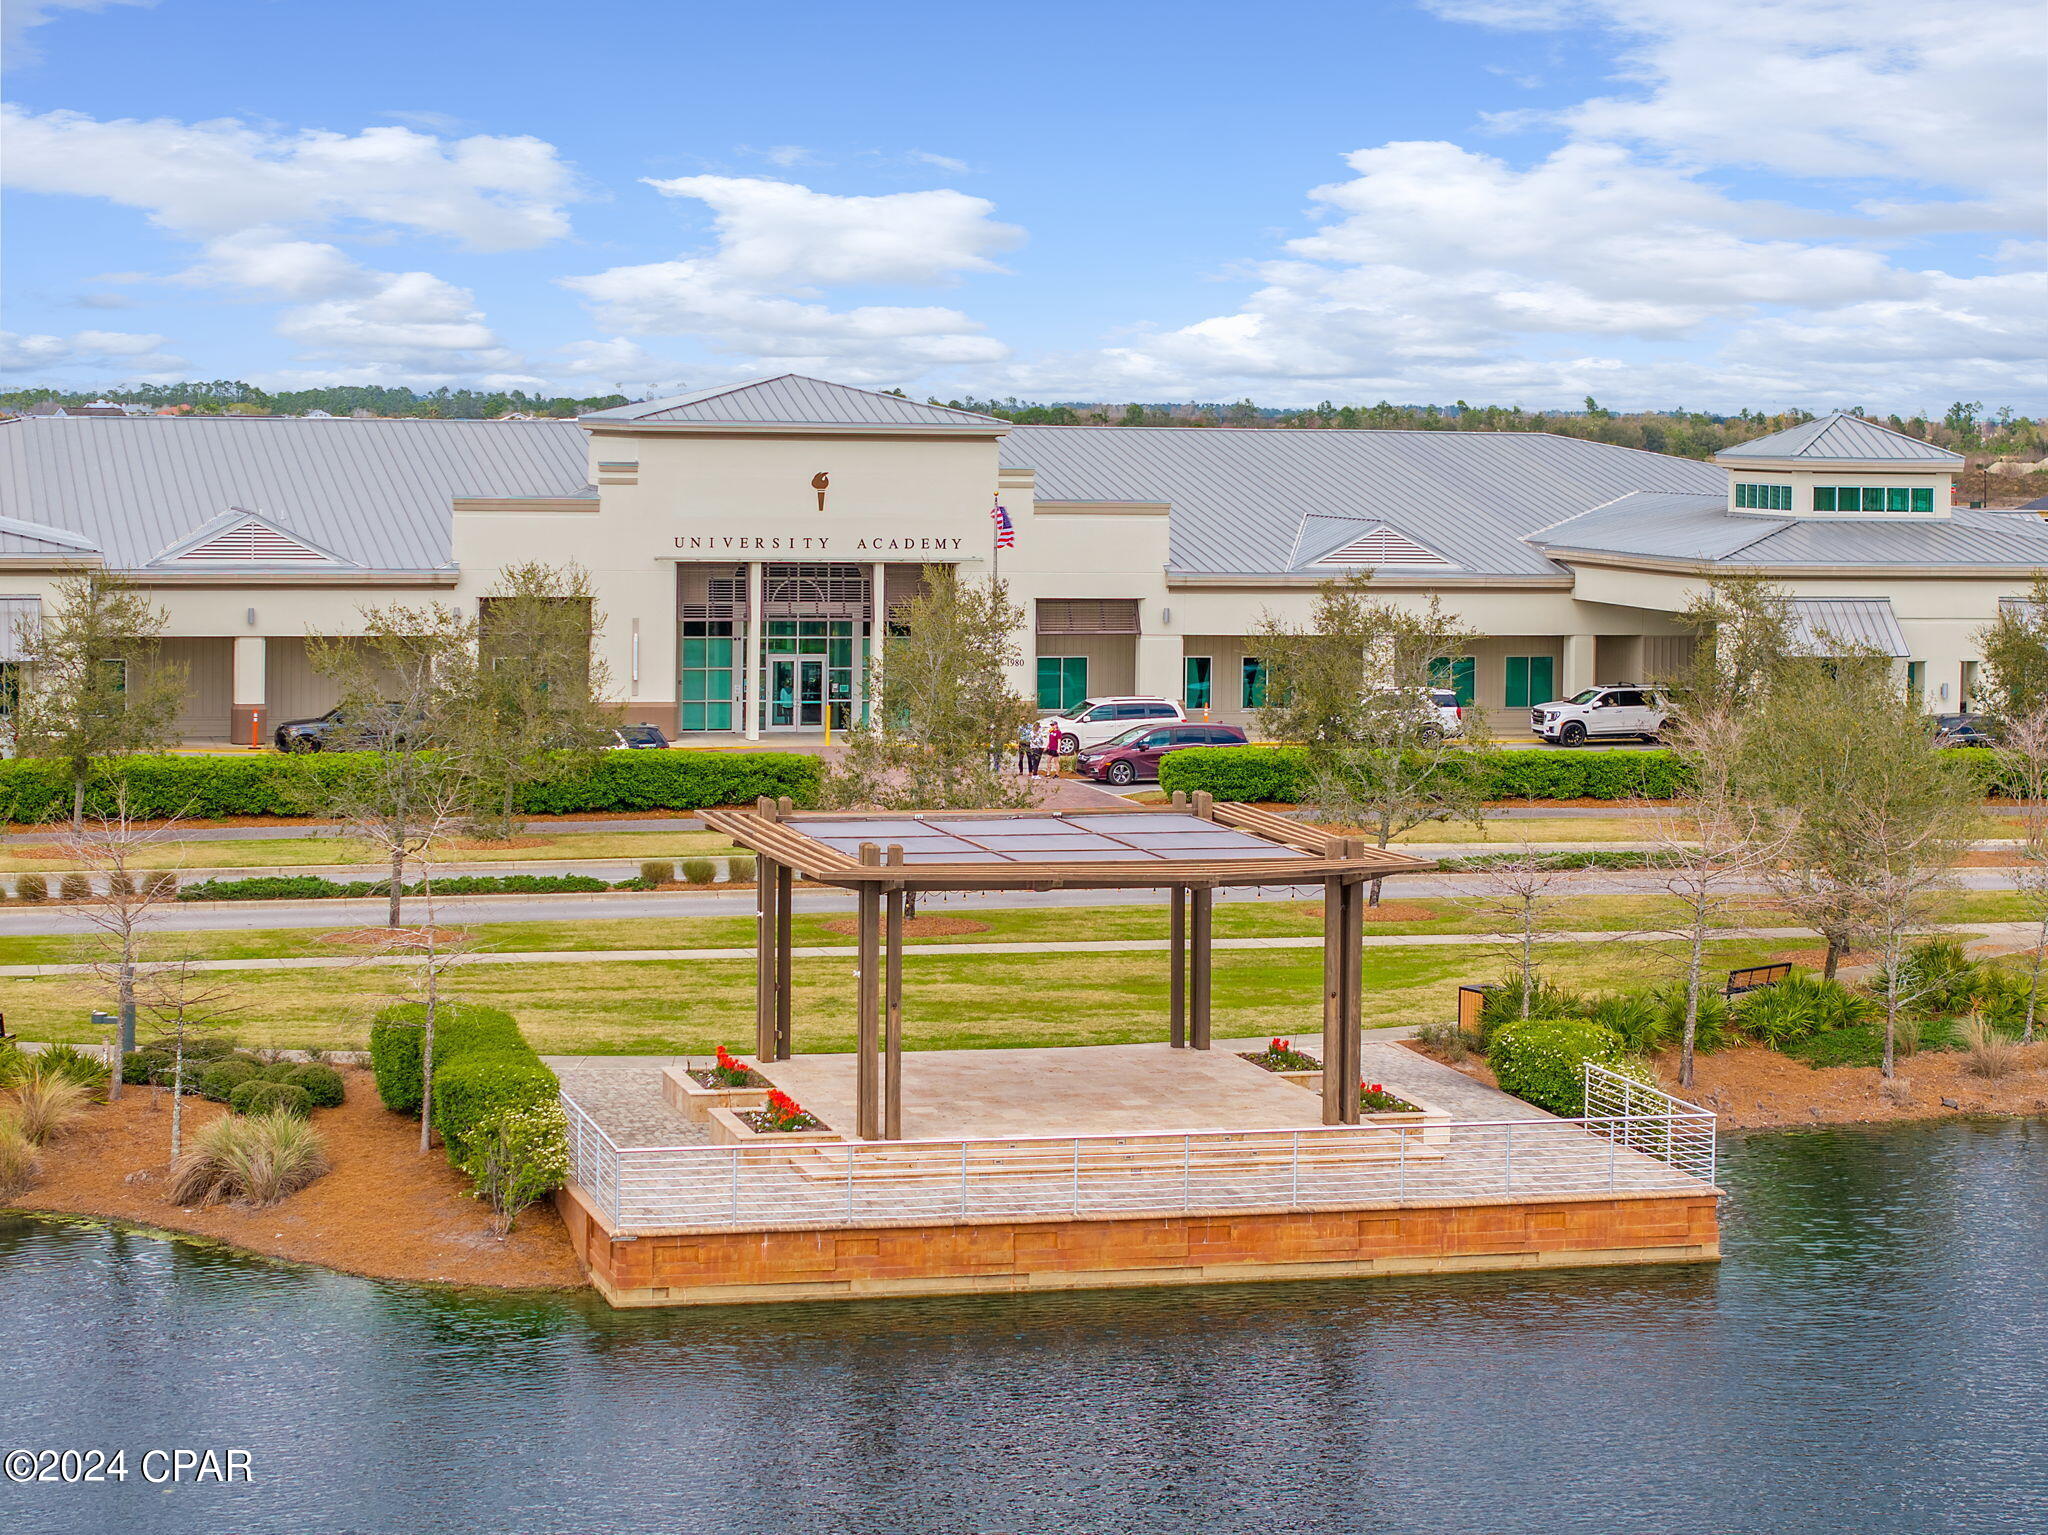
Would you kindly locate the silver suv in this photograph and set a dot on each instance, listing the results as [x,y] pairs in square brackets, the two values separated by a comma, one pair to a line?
[1610,710]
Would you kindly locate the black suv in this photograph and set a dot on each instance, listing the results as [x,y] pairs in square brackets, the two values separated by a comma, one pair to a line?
[324,733]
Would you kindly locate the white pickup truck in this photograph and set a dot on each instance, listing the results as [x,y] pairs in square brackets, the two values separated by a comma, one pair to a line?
[1611,710]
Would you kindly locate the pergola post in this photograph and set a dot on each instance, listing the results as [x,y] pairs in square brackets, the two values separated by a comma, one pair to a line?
[1202,898]
[1333,1000]
[785,1032]
[766,954]
[892,1019]
[867,995]
[1354,994]
[1177,982]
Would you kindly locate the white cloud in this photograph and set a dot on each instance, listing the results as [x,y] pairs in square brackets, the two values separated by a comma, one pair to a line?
[136,356]
[779,245]
[18,16]
[942,162]
[1619,262]
[210,179]
[409,324]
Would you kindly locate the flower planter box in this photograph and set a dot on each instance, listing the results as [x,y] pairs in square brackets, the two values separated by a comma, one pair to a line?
[692,1098]
[728,1129]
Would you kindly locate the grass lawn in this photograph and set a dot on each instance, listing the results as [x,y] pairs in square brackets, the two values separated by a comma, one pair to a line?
[288,852]
[1234,919]
[958,1002]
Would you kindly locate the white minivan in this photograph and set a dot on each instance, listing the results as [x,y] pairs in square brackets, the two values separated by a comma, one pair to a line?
[1095,720]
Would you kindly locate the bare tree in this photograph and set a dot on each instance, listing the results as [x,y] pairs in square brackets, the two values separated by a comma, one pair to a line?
[400,791]
[1354,690]
[95,686]
[525,703]
[1519,892]
[943,715]
[181,997]
[122,904]
[1715,845]
[2023,761]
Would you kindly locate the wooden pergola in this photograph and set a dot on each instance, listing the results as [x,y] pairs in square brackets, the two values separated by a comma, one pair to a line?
[1191,848]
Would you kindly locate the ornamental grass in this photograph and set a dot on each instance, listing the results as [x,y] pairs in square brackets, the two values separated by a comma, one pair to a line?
[19,1160]
[258,1159]
[46,1104]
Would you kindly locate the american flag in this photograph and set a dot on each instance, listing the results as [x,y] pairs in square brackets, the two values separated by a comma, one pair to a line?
[1006,530]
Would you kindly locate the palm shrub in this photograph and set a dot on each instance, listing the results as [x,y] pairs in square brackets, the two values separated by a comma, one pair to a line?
[73,1064]
[46,1105]
[1637,1016]
[19,1159]
[516,1157]
[260,1159]
[1936,978]
[263,1096]
[1710,1028]
[31,887]
[1801,1006]
[1543,1060]
[1505,1004]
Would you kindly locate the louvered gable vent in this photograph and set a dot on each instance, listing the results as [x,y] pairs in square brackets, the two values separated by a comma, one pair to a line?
[255,543]
[1385,547]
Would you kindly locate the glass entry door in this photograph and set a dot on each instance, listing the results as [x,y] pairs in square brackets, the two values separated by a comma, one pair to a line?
[796,693]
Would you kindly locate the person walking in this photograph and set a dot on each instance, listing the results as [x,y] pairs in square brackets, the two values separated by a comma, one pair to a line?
[1027,758]
[1034,746]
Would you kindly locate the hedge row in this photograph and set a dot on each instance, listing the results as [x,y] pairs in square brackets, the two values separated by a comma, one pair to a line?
[215,788]
[482,1067]
[312,887]
[1281,773]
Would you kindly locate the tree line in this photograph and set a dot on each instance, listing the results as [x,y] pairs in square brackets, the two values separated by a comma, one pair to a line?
[232,397]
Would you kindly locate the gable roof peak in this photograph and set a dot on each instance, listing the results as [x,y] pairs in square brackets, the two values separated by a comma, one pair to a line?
[1839,437]
[793,399]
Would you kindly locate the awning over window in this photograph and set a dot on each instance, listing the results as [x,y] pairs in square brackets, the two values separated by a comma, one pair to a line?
[1087,615]
[1835,626]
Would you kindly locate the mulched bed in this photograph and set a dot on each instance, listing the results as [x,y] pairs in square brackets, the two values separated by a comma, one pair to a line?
[385,1211]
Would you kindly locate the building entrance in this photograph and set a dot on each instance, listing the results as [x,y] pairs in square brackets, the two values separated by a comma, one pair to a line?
[813,639]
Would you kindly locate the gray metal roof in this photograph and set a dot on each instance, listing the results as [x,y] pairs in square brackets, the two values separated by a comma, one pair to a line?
[375,493]
[1847,438]
[1702,528]
[1662,526]
[790,399]
[1239,496]
[1833,626]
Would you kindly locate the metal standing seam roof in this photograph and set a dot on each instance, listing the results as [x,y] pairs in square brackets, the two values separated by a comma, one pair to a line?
[1843,437]
[791,399]
[1702,528]
[375,493]
[1239,496]
[1832,626]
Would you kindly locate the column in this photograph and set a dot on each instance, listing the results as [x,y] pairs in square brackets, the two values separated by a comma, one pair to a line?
[766,953]
[249,714]
[1158,672]
[1578,665]
[785,906]
[892,1019]
[867,1015]
[878,635]
[750,684]
[1333,1001]
[1177,987]
[1201,901]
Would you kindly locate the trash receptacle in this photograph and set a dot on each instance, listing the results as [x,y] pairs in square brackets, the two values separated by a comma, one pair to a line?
[1470,1000]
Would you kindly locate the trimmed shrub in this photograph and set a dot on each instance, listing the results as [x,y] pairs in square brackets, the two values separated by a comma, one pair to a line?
[266,1097]
[1799,1007]
[1543,1060]
[516,1157]
[472,1088]
[259,1158]
[31,887]
[220,1080]
[698,871]
[395,1036]
[312,887]
[74,887]
[216,788]
[656,871]
[321,1084]
[1281,773]
[1503,1005]
[148,1068]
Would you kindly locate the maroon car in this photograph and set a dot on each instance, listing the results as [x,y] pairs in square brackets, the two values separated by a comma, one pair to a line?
[1135,754]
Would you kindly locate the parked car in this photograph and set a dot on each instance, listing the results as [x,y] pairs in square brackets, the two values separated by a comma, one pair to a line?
[638,738]
[1964,730]
[323,733]
[1442,702]
[1610,710]
[1095,720]
[1135,754]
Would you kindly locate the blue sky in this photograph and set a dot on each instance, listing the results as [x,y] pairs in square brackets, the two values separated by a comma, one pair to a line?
[1514,201]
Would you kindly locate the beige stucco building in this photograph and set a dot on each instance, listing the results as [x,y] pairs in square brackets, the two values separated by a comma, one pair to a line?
[747,543]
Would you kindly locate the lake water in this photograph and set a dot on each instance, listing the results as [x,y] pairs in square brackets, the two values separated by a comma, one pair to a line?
[1872,1357]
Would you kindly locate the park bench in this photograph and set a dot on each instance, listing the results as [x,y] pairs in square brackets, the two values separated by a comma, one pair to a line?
[1754,978]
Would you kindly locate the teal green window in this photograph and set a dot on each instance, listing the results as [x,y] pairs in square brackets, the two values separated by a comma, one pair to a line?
[1772,498]
[1460,673]
[1923,498]
[1062,682]
[706,676]
[1252,682]
[10,686]
[1823,498]
[1916,681]
[1196,679]
[1530,680]
[1895,498]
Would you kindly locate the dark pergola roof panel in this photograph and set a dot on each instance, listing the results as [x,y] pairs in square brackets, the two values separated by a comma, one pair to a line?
[995,850]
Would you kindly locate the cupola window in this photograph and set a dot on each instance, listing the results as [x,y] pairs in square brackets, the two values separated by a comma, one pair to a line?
[1765,498]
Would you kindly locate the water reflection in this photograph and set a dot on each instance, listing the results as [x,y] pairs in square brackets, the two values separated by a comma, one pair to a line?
[1870,1358]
